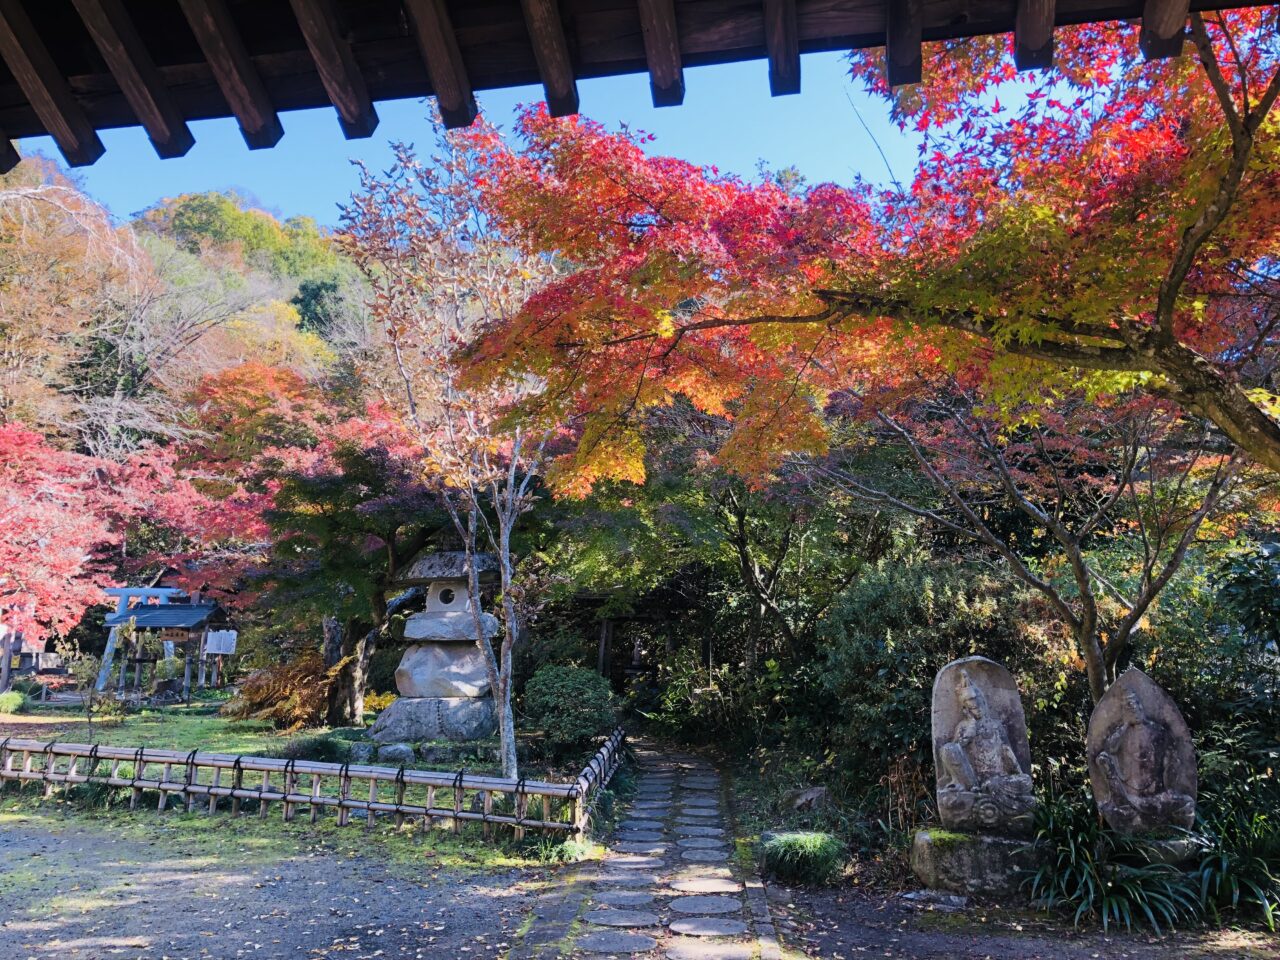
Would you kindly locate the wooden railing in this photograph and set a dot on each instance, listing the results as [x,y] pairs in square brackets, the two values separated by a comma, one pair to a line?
[429,798]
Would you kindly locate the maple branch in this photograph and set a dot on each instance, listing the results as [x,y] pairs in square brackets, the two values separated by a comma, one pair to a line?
[1242,129]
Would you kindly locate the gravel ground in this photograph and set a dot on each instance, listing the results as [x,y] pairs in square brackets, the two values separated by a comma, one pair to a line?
[80,892]
[844,924]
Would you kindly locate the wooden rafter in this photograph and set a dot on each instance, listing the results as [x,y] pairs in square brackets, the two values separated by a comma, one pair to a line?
[234,71]
[439,46]
[337,67]
[662,52]
[904,31]
[116,37]
[782,40]
[45,87]
[1033,34]
[9,157]
[410,49]
[1164,26]
[551,49]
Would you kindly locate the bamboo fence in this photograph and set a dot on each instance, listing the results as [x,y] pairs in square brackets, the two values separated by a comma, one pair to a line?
[430,798]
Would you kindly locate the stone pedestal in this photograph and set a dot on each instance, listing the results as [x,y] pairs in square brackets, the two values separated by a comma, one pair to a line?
[972,863]
[442,678]
[411,719]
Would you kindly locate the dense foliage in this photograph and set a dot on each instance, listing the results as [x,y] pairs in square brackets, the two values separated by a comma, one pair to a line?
[570,706]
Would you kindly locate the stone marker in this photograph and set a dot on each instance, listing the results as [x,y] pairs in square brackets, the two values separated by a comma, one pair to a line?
[442,678]
[982,762]
[980,750]
[1142,765]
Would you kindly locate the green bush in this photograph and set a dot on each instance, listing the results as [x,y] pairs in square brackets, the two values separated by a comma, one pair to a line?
[322,748]
[1240,874]
[569,705]
[803,858]
[382,669]
[15,701]
[1105,877]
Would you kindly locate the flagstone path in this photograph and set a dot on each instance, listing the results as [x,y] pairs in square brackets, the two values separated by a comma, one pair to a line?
[667,886]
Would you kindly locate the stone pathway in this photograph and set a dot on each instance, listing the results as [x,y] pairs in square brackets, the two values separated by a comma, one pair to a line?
[667,886]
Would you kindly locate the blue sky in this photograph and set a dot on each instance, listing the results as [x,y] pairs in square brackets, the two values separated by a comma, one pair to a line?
[728,119]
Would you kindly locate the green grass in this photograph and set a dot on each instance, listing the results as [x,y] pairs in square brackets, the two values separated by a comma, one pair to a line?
[170,728]
[806,858]
[249,839]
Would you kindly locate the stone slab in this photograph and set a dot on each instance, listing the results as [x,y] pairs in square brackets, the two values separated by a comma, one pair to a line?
[709,927]
[1142,763]
[622,879]
[701,843]
[622,918]
[448,627]
[410,719]
[706,885]
[698,813]
[698,830]
[640,836]
[640,825]
[705,855]
[614,941]
[699,800]
[972,863]
[623,898]
[650,848]
[442,670]
[683,948]
[700,904]
[633,862]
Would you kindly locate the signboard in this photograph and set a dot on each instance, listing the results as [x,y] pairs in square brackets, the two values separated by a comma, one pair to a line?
[220,642]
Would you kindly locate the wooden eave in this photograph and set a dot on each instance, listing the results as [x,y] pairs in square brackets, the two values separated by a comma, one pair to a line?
[70,68]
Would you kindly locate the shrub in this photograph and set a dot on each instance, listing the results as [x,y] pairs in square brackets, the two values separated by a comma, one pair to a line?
[1240,874]
[1103,876]
[321,749]
[15,701]
[291,695]
[803,858]
[382,670]
[378,702]
[569,705]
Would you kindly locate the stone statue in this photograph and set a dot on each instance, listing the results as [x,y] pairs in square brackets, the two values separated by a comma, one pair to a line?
[980,750]
[1142,765]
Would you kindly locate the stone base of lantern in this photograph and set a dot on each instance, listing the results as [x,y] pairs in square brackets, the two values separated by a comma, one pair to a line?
[411,719]
[971,863]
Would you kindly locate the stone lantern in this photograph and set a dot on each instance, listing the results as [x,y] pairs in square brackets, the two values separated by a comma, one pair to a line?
[442,680]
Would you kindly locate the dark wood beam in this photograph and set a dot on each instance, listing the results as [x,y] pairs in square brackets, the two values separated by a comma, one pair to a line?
[129,61]
[551,50]
[1164,25]
[9,157]
[439,46]
[662,52]
[339,72]
[233,69]
[782,40]
[1033,34]
[45,87]
[904,31]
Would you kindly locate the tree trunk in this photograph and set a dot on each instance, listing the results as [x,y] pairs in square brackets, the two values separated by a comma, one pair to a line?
[507,736]
[6,660]
[346,693]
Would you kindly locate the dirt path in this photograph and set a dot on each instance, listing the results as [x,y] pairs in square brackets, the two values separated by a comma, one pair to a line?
[843,925]
[80,892]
